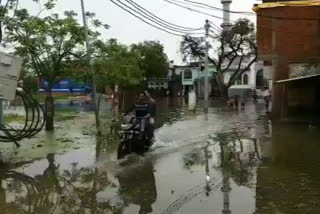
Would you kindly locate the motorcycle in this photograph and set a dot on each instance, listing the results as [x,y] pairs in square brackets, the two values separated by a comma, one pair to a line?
[135,136]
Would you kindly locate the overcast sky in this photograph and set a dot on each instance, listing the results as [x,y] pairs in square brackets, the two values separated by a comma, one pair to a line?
[128,29]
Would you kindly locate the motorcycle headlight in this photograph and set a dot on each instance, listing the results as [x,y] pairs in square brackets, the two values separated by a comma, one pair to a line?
[125,126]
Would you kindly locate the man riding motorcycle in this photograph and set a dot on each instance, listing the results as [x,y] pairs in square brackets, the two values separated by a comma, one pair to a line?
[138,134]
[146,106]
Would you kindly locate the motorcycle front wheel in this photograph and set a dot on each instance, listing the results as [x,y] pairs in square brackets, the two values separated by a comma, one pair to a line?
[124,149]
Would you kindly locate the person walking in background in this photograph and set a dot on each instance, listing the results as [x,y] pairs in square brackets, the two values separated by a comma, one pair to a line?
[230,102]
[243,103]
[236,101]
[152,112]
[115,103]
[266,98]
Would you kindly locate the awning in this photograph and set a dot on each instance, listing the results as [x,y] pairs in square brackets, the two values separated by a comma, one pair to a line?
[298,78]
[287,4]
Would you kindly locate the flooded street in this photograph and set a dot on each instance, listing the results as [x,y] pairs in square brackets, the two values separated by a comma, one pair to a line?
[222,162]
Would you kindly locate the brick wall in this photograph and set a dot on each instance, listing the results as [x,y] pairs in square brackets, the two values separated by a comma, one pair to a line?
[283,40]
[294,39]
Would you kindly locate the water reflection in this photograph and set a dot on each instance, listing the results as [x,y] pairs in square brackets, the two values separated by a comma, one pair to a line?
[78,190]
[169,110]
[137,186]
[229,165]
[54,191]
[244,167]
[287,180]
[14,184]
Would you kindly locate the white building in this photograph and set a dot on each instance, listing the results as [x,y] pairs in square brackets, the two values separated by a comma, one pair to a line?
[253,77]
[192,77]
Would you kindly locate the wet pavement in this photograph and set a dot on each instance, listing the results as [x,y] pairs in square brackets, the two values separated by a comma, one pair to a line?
[222,162]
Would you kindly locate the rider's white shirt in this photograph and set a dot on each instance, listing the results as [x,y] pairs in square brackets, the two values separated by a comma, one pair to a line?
[266,93]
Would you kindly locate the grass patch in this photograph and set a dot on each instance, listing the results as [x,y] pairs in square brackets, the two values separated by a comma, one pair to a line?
[65,117]
[41,97]
[10,118]
[66,110]
[62,114]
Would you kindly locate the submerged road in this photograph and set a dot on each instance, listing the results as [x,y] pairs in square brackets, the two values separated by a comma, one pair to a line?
[224,162]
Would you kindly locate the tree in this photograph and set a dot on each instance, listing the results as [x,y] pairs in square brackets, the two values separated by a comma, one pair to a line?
[236,51]
[152,59]
[117,65]
[50,46]
[30,81]
[8,11]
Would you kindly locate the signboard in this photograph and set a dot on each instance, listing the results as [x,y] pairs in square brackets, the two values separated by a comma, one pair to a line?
[10,68]
[67,85]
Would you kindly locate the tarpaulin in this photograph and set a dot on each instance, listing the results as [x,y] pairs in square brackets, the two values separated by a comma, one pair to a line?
[287,4]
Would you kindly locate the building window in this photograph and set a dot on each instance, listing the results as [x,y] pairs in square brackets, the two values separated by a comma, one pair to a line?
[245,79]
[188,75]
[259,79]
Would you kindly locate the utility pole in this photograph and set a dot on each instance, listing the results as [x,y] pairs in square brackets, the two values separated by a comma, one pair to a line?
[206,62]
[94,87]
[1,112]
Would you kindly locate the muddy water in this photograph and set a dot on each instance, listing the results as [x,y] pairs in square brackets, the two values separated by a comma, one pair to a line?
[223,162]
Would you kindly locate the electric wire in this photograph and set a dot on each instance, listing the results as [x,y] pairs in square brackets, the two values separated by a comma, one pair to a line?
[179,34]
[194,10]
[139,7]
[146,22]
[149,20]
[207,6]
[297,34]
[246,13]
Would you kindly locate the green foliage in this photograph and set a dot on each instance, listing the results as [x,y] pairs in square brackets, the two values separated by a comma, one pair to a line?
[152,59]
[53,47]
[14,118]
[30,82]
[9,10]
[40,97]
[117,65]
[49,45]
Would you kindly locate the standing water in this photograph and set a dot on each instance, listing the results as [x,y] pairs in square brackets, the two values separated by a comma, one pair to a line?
[225,161]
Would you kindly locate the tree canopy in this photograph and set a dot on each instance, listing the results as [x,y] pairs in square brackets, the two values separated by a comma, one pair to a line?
[152,59]
[8,12]
[128,66]
[117,64]
[230,50]
[49,45]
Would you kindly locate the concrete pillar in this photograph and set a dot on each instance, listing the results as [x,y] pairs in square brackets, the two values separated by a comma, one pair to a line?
[192,100]
[226,14]
[279,91]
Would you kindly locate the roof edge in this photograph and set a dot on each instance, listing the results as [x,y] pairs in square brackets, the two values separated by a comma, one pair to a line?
[304,3]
